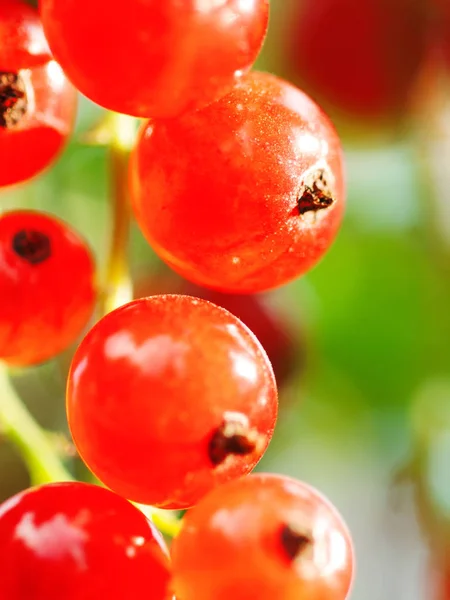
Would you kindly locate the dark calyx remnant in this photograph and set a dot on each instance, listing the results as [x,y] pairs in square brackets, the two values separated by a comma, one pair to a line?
[232,437]
[294,541]
[13,99]
[315,194]
[33,246]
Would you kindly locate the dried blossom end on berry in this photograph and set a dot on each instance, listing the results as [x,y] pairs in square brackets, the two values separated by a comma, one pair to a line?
[32,245]
[13,99]
[316,194]
[233,437]
[294,541]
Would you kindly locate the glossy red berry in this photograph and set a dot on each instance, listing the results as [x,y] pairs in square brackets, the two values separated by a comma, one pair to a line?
[21,28]
[75,541]
[154,58]
[37,103]
[369,57]
[265,537]
[46,286]
[169,396]
[277,328]
[244,195]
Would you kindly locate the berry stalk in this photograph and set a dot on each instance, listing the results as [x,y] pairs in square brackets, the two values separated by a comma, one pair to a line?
[118,287]
[167,522]
[21,429]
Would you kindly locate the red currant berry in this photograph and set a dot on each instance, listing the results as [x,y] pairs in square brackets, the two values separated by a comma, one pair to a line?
[264,314]
[46,286]
[362,69]
[155,58]
[275,329]
[75,541]
[245,194]
[37,103]
[265,537]
[169,396]
[21,29]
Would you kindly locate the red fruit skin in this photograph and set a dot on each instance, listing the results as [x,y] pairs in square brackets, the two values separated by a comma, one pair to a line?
[155,59]
[35,141]
[358,57]
[216,192]
[75,541]
[44,306]
[230,544]
[150,385]
[21,29]
[276,328]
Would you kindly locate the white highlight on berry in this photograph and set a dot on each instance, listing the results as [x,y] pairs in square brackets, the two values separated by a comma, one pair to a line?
[54,539]
[153,356]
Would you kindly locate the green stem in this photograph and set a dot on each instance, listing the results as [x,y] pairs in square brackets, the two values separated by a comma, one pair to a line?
[24,432]
[118,288]
[166,521]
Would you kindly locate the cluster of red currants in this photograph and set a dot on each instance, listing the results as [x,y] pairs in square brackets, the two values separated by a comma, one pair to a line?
[237,183]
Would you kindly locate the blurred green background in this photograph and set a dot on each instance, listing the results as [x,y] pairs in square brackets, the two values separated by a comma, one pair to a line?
[372,392]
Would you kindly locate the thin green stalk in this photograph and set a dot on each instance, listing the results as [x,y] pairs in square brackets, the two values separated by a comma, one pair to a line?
[118,288]
[165,521]
[21,429]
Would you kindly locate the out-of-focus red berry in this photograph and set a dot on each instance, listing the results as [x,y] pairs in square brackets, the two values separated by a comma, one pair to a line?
[169,396]
[244,195]
[47,287]
[264,537]
[75,541]
[442,27]
[359,58]
[154,58]
[37,103]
